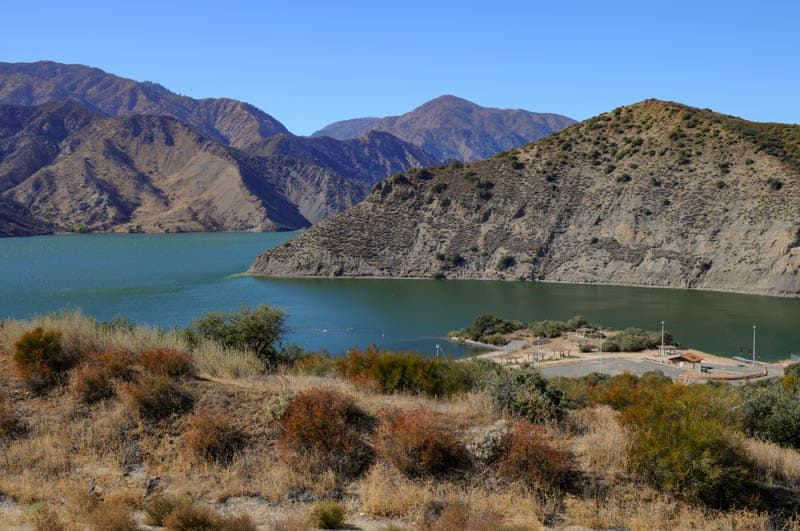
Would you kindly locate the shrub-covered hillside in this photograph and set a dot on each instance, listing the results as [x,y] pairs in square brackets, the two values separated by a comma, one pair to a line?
[115,426]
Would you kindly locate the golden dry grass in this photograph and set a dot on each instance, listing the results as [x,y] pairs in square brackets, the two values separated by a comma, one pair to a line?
[775,464]
[80,464]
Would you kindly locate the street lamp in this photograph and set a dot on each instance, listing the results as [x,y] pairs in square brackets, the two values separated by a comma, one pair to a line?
[754,344]
[662,341]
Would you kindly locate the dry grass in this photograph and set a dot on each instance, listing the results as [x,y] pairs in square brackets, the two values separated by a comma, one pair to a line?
[600,444]
[639,508]
[100,463]
[774,464]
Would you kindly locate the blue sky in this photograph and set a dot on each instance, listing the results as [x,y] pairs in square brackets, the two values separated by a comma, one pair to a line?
[310,63]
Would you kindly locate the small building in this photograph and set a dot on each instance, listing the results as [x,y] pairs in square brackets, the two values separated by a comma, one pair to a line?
[685,357]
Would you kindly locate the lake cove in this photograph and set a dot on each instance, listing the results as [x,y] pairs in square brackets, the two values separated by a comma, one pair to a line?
[169,279]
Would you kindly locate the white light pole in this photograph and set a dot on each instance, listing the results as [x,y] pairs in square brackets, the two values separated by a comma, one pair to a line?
[754,344]
[662,341]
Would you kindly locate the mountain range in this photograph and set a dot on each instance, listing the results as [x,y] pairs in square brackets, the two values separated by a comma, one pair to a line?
[451,128]
[250,172]
[651,194]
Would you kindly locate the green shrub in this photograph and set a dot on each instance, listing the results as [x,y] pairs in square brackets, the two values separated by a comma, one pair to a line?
[506,262]
[624,178]
[681,444]
[393,372]
[40,359]
[791,378]
[157,397]
[420,443]
[489,325]
[635,340]
[720,184]
[327,515]
[525,393]
[325,430]
[774,183]
[438,188]
[772,412]
[258,330]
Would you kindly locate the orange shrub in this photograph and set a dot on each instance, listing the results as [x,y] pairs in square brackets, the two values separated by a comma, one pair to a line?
[167,362]
[116,363]
[41,360]
[212,436]
[95,379]
[528,454]
[92,384]
[158,397]
[325,429]
[420,443]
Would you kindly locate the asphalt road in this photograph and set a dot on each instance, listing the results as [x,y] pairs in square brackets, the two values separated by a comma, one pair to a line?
[610,366]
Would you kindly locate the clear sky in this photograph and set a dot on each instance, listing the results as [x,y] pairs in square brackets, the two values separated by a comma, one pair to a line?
[310,63]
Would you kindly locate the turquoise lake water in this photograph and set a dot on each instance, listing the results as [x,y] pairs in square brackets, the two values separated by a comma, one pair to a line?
[169,279]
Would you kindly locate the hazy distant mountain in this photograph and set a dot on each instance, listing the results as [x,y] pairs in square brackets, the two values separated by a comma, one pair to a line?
[653,194]
[223,120]
[347,128]
[450,128]
[67,167]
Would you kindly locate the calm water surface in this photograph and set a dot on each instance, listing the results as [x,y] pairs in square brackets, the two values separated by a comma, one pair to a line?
[169,279]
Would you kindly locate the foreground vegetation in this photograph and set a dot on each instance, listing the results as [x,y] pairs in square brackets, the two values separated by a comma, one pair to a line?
[113,426]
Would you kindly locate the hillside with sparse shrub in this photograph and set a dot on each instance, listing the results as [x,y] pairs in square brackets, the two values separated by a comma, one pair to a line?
[651,194]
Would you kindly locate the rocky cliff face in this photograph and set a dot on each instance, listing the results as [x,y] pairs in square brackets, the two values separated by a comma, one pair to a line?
[451,128]
[654,194]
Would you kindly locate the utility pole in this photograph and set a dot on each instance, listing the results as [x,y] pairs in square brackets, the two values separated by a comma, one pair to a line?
[754,344]
[662,341]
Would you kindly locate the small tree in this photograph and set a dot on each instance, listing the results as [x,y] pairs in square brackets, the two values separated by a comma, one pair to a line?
[258,330]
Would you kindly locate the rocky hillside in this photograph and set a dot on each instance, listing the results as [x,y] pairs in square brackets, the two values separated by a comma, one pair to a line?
[64,167]
[451,128]
[223,120]
[653,194]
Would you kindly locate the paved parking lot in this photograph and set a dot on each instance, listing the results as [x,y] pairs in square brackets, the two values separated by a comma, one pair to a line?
[611,366]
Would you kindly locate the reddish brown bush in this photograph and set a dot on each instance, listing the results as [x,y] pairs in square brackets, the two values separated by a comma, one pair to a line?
[212,436]
[167,362]
[528,454]
[40,359]
[95,379]
[158,397]
[420,443]
[92,384]
[325,429]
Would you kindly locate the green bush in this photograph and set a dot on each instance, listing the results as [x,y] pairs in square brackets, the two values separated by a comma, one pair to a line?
[327,515]
[40,359]
[791,378]
[681,443]
[489,325]
[258,330]
[772,412]
[635,340]
[553,329]
[506,262]
[411,372]
[526,394]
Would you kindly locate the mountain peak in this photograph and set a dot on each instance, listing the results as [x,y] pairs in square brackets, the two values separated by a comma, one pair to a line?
[449,127]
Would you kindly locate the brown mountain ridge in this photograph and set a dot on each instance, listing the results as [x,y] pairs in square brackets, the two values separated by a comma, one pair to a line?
[452,128]
[652,194]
